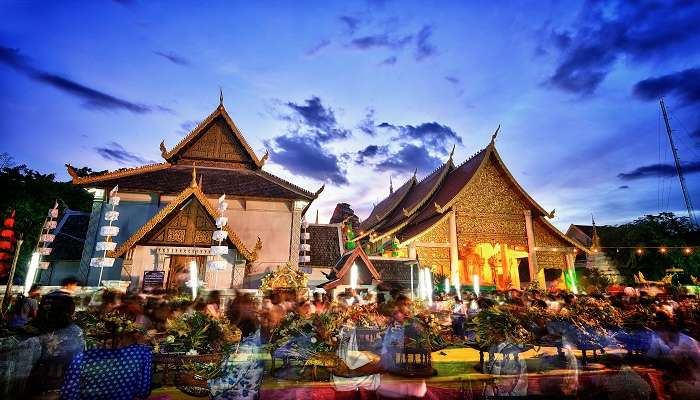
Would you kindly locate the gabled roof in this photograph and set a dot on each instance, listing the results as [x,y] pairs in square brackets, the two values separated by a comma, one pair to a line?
[381,210]
[417,197]
[193,191]
[344,264]
[174,153]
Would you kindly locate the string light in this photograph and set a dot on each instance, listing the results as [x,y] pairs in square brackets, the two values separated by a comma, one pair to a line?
[639,251]
[662,250]
[687,250]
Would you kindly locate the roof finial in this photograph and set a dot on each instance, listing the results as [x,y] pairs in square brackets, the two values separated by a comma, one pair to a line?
[415,171]
[221,96]
[493,138]
[453,151]
[317,216]
[391,186]
[194,175]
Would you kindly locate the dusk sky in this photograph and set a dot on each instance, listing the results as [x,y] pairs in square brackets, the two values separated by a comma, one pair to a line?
[351,93]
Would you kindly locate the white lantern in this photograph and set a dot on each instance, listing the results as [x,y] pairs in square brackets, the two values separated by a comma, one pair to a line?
[304,259]
[219,235]
[218,265]
[101,262]
[111,216]
[44,265]
[53,213]
[221,222]
[47,237]
[114,200]
[219,250]
[105,246]
[50,225]
[45,251]
[305,247]
[305,236]
[109,230]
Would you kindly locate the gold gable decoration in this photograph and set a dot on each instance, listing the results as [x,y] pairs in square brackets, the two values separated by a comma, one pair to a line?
[285,278]
[192,191]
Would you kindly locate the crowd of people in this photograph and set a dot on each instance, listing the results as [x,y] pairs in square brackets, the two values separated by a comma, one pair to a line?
[53,338]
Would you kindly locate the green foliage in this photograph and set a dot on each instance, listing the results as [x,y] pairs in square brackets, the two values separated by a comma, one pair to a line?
[664,229]
[592,280]
[31,194]
[200,332]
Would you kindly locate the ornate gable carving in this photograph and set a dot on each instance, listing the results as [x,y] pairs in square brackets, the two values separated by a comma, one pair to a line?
[491,209]
[217,143]
[189,226]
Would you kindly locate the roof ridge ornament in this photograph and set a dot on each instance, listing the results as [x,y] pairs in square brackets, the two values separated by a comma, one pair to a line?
[264,158]
[391,186]
[495,134]
[453,150]
[221,96]
[163,149]
[194,175]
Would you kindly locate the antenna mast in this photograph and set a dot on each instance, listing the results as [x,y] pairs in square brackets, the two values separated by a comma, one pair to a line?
[686,196]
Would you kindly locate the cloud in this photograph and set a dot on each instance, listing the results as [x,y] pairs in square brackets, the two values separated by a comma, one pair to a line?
[318,47]
[605,31]
[350,23]
[408,158]
[452,79]
[113,151]
[389,61]
[173,58]
[187,126]
[368,125]
[371,151]
[435,136]
[683,84]
[382,40]
[93,99]
[623,187]
[656,170]
[318,119]
[424,49]
[303,156]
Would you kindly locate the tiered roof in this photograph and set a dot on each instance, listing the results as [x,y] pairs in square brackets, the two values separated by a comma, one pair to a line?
[224,160]
[426,203]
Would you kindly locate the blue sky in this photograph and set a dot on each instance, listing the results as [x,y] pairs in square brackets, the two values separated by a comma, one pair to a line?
[351,93]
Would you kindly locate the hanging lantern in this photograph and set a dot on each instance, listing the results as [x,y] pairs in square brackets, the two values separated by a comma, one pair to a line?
[108,232]
[304,247]
[217,248]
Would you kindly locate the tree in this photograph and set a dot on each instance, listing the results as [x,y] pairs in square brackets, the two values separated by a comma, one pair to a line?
[31,194]
[667,230]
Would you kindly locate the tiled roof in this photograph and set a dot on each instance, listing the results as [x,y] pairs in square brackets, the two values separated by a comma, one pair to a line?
[325,245]
[458,178]
[416,198]
[232,182]
[70,236]
[394,270]
[381,210]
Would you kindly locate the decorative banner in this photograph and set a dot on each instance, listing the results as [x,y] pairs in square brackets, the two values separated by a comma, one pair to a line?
[108,232]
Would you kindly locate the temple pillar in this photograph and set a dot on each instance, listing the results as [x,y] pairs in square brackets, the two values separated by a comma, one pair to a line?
[504,264]
[531,253]
[412,254]
[454,255]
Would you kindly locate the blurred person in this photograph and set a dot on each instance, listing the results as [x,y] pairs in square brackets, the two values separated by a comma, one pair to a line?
[320,305]
[213,304]
[25,308]
[69,287]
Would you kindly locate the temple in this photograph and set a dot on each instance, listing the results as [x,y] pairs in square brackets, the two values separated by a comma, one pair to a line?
[475,222]
[168,212]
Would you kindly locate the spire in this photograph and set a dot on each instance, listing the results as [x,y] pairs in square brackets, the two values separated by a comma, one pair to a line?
[391,186]
[452,153]
[595,240]
[317,215]
[415,171]
[495,134]
[194,176]
[221,96]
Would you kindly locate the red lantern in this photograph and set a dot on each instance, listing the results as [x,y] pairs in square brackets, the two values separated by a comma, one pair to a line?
[7,233]
[10,221]
[5,245]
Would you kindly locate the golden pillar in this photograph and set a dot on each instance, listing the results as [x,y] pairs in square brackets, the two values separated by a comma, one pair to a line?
[454,254]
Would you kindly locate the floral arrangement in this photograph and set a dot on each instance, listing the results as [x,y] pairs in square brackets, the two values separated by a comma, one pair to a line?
[97,326]
[286,277]
[498,325]
[198,333]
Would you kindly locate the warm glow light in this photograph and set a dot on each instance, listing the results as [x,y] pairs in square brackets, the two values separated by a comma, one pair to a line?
[429,286]
[458,287]
[595,250]
[574,289]
[447,285]
[353,276]
[639,251]
[31,272]
[194,279]
[687,250]
[662,250]
[477,288]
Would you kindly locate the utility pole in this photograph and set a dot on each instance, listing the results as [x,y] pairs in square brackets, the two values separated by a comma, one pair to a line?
[686,196]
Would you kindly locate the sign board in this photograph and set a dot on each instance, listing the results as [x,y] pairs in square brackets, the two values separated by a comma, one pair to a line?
[153,280]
